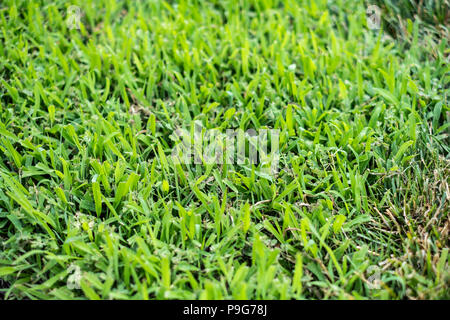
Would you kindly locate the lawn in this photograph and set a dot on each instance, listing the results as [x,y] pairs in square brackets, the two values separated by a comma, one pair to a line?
[351,202]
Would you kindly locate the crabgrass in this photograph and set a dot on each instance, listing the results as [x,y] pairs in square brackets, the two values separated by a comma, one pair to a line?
[92,206]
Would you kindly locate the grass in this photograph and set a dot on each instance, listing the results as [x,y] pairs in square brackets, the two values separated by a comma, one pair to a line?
[88,190]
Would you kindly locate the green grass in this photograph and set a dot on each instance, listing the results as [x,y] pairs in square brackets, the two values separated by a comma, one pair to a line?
[87,184]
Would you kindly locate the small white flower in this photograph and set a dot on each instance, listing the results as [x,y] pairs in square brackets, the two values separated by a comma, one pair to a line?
[73,281]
